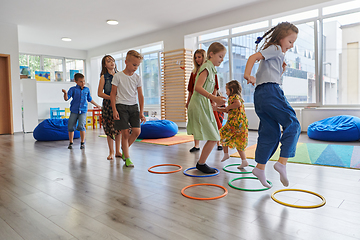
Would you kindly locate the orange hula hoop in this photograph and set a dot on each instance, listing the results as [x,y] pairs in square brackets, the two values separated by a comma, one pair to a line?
[166,164]
[204,184]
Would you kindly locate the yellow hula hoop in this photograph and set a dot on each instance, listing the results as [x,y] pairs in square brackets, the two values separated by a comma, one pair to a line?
[298,206]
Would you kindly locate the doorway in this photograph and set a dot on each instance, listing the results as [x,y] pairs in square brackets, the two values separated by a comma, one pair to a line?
[6,123]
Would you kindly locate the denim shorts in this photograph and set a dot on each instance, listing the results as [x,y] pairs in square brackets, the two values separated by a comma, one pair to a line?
[75,117]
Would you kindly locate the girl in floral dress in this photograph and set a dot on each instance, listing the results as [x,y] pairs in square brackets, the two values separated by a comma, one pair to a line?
[235,132]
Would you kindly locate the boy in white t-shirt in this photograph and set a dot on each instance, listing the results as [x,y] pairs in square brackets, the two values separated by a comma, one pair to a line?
[126,85]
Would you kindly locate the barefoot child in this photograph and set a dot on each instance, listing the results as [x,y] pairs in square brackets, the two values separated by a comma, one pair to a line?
[108,70]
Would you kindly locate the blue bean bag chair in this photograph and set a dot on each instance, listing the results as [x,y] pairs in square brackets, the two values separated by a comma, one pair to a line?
[343,128]
[53,130]
[158,129]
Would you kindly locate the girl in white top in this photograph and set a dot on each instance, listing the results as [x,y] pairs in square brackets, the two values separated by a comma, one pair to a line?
[271,105]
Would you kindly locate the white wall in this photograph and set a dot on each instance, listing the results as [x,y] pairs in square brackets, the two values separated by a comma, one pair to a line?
[31,48]
[9,45]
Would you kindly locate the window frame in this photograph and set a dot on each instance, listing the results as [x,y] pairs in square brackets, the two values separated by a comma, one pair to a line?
[56,57]
[318,47]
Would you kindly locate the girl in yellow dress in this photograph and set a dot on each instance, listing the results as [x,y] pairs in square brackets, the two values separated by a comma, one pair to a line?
[235,132]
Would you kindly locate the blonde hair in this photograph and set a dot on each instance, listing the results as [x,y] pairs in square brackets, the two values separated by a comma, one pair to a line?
[196,65]
[235,88]
[215,47]
[134,54]
[276,33]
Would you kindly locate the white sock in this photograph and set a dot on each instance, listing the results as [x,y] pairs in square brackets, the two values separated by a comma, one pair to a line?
[226,157]
[243,164]
[281,168]
[260,174]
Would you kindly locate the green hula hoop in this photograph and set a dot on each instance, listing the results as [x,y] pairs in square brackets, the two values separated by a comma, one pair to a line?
[226,170]
[246,189]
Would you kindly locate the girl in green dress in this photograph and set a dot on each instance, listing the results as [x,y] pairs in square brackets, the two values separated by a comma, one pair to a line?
[201,122]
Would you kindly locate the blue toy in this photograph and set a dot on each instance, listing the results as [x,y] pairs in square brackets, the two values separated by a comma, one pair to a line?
[158,129]
[53,130]
[343,128]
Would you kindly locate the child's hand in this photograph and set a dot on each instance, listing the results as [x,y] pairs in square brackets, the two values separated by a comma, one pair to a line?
[252,80]
[214,107]
[63,90]
[220,100]
[222,109]
[142,118]
[116,115]
[284,66]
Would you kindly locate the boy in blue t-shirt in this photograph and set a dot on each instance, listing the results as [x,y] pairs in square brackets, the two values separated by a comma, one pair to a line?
[78,108]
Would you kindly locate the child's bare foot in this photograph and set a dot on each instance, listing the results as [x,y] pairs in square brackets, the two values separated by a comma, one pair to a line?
[110,157]
[226,157]
[119,155]
[243,164]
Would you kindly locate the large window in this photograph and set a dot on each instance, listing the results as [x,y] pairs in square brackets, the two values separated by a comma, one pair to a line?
[74,66]
[60,68]
[32,62]
[299,78]
[55,67]
[242,47]
[322,67]
[341,58]
[150,78]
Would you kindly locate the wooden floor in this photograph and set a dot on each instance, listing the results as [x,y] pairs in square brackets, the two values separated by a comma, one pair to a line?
[50,192]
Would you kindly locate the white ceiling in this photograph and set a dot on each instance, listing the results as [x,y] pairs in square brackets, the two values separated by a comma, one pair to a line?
[45,22]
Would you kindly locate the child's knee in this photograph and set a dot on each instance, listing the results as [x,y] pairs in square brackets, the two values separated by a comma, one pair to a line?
[136,131]
[125,133]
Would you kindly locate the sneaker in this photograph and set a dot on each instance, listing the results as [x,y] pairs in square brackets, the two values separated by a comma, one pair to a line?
[70,146]
[129,163]
[82,145]
[220,148]
[194,149]
[205,168]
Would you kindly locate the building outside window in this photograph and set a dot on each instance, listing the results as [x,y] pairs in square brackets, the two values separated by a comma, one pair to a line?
[329,35]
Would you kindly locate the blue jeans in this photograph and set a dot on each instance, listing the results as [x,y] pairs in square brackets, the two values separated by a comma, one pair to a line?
[75,117]
[274,110]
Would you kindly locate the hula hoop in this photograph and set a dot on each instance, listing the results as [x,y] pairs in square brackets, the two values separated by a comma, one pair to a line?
[211,175]
[248,189]
[166,164]
[226,170]
[204,184]
[298,206]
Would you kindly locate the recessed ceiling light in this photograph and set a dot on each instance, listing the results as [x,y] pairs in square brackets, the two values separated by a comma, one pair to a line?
[66,39]
[112,22]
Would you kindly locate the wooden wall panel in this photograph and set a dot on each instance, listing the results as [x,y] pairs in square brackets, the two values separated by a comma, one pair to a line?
[176,69]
